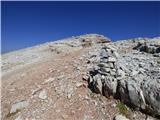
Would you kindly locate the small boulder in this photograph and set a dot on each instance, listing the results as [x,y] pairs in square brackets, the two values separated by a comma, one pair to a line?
[18,106]
[120,117]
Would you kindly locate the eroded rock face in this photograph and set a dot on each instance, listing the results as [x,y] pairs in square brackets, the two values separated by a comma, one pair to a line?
[132,77]
[104,72]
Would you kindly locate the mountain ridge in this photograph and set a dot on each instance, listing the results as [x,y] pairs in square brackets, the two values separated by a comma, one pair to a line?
[84,77]
[64,39]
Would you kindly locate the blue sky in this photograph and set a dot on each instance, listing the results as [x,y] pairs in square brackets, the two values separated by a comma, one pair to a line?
[25,24]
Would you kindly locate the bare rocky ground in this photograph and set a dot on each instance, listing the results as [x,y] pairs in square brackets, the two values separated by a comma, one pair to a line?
[55,81]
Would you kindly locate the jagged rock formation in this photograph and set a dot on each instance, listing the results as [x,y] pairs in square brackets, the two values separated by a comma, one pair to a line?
[54,80]
[104,68]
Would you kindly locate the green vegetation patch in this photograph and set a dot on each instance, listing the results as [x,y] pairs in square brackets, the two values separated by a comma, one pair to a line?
[123,109]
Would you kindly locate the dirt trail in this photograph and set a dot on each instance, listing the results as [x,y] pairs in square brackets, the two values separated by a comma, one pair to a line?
[66,94]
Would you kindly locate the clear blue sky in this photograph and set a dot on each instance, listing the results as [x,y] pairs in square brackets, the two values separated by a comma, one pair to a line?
[26,24]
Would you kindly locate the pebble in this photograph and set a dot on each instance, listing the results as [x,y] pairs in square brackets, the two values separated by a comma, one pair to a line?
[111,59]
[85,77]
[64,116]
[50,80]
[79,84]
[43,94]
[113,105]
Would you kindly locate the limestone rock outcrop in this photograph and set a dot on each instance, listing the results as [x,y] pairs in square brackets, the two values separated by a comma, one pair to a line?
[133,76]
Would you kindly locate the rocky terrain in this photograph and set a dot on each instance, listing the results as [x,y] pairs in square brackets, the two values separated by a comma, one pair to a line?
[87,77]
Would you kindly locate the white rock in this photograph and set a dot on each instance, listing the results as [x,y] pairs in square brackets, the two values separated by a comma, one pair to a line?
[115,54]
[103,77]
[57,111]
[111,59]
[70,93]
[85,77]
[12,90]
[66,67]
[43,94]
[120,117]
[98,83]
[19,118]
[78,84]
[64,116]
[18,106]
[47,81]
[121,73]
[134,72]
[114,105]
[24,74]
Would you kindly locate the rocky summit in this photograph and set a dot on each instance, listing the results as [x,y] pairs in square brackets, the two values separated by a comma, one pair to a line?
[86,77]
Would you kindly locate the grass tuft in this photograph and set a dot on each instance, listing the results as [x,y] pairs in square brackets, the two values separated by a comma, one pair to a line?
[123,109]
